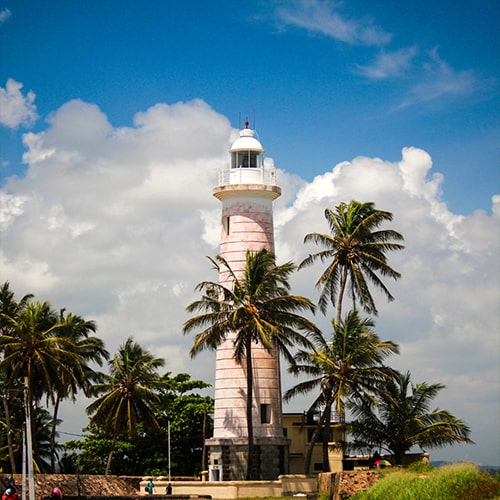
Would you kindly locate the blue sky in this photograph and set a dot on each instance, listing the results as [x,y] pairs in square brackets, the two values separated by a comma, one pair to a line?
[327,81]
[116,118]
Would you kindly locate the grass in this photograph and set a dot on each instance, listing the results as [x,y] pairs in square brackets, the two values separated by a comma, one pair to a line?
[451,482]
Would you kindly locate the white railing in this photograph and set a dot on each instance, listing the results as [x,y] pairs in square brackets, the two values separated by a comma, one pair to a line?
[266,176]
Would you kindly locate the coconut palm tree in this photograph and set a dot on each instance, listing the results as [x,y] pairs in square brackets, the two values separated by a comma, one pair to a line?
[40,438]
[355,253]
[90,349]
[256,309]
[9,308]
[402,419]
[127,395]
[36,353]
[350,366]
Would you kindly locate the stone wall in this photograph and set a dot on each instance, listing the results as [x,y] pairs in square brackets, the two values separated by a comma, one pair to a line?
[347,483]
[77,485]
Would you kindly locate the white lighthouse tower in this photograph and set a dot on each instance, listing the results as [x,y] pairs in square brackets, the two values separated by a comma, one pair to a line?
[247,190]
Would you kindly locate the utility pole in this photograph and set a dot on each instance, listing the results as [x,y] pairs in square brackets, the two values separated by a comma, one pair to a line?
[29,442]
[168,429]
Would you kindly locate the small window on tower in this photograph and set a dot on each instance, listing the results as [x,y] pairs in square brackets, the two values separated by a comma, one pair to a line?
[265,413]
[225,224]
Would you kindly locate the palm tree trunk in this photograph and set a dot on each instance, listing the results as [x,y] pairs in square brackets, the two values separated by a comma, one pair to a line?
[314,440]
[343,283]
[326,438]
[110,456]
[249,407]
[53,435]
[9,432]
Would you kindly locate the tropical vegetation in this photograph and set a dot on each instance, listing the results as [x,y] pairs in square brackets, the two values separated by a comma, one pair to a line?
[184,420]
[355,253]
[139,414]
[402,419]
[127,395]
[256,309]
[449,482]
[349,367]
[44,355]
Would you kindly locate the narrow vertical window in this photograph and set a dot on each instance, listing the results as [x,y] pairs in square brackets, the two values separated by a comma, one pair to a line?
[225,224]
[265,413]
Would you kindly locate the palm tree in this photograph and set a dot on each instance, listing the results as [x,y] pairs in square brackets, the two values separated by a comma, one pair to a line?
[355,252]
[128,394]
[257,309]
[41,437]
[349,366]
[34,355]
[402,419]
[90,349]
[9,308]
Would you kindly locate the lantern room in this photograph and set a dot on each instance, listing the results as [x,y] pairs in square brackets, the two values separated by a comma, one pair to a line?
[246,164]
[247,151]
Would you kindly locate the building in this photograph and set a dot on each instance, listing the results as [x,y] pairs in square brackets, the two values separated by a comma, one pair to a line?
[299,428]
[247,190]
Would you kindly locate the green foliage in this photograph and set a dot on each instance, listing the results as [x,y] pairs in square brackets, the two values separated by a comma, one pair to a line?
[147,452]
[420,467]
[355,252]
[403,419]
[46,354]
[349,366]
[257,309]
[451,482]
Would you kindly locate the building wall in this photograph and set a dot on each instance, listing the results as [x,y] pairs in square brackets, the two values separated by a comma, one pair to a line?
[299,430]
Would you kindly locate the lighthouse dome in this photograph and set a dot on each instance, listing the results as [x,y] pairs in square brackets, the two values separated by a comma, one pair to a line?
[246,142]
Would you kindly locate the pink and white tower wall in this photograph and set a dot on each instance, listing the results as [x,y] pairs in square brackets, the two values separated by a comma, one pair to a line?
[247,190]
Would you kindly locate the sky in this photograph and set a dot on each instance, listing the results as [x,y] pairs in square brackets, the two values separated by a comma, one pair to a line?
[116,118]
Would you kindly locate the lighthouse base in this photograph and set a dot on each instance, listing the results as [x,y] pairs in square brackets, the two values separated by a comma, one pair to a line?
[228,458]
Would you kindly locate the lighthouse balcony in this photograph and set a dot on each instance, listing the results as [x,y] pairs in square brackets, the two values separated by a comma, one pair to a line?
[247,175]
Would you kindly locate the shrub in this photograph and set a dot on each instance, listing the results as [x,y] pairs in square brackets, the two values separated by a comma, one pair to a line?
[445,483]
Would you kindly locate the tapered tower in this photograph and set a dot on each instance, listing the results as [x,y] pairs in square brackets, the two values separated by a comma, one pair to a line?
[247,190]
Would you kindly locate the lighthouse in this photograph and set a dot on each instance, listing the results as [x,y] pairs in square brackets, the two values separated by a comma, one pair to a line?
[247,190]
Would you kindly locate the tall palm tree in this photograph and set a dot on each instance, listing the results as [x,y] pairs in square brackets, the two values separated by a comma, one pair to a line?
[41,437]
[349,366]
[128,394]
[256,309]
[36,353]
[9,308]
[403,419]
[90,349]
[356,254]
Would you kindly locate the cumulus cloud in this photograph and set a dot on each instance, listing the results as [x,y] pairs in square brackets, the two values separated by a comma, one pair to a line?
[115,223]
[15,108]
[317,16]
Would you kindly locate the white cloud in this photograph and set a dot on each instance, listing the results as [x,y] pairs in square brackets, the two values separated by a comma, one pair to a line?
[114,224]
[388,64]
[439,80]
[317,16]
[15,108]
[4,15]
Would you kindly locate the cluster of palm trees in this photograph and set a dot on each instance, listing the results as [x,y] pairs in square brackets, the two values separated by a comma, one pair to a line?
[48,356]
[347,371]
[45,356]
